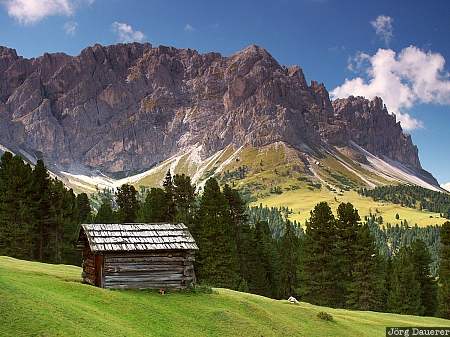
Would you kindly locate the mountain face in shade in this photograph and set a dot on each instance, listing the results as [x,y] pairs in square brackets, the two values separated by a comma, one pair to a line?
[123,108]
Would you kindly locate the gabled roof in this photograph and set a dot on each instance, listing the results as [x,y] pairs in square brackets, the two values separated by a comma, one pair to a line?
[137,237]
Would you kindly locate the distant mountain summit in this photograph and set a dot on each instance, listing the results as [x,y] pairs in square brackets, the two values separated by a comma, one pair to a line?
[123,109]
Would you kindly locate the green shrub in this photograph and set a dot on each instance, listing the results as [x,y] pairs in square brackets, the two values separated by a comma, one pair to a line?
[325,316]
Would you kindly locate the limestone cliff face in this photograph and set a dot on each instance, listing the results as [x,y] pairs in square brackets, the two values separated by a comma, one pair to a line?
[369,124]
[126,107]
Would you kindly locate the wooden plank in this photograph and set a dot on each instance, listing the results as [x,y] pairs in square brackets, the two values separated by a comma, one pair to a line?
[144,286]
[144,268]
[148,259]
[152,277]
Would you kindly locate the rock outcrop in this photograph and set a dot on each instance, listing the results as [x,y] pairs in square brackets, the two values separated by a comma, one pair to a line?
[126,107]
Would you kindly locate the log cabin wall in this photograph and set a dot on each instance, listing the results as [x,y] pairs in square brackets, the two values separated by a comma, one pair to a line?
[88,274]
[164,269]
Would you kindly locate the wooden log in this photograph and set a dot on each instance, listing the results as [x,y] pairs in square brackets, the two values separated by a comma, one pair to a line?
[148,259]
[144,286]
[143,277]
[143,264]
[143,269]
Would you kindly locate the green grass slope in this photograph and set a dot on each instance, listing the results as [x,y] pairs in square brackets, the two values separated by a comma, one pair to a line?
[48,300]
[258,171]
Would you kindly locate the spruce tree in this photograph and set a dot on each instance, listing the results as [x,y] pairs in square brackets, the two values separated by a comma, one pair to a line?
[289,261]
[17,225]
[216,261]
[184,199]
[404,293]
[128,203]
[170,198]
[444,272]
[84,208]
[365,287]
[346,238]
[319,274]
[154,207]
[241,232]
[421,259]
[265,277]
[40,193]
[105,214]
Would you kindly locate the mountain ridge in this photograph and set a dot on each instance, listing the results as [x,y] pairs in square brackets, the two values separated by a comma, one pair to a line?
[124,108]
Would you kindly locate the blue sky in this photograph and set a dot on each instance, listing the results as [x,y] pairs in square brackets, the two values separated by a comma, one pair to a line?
[396,49]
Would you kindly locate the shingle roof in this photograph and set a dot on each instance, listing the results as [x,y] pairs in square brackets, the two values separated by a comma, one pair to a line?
[137,237]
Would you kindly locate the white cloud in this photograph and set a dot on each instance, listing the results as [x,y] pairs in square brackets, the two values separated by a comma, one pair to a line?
[126,33]
[70,27]
[189,28]
[446,186]
[402,80]
[383,28]
[32,11]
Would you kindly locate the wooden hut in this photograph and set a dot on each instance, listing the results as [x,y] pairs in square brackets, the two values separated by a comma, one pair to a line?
[137,255]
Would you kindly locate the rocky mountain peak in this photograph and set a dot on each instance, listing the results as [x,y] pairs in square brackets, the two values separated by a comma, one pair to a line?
[123,108]
[370,125]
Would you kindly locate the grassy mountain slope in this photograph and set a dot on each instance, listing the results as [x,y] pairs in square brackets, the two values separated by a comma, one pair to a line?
[278,175]
[48,300]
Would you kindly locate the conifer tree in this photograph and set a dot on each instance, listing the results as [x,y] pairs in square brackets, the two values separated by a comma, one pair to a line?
[216,261]
[241,232]
[170,198]
[421,259]
[184,199]
[289,260]
[41,202]
[17,228]
[365,287]
[346,237]
[265,280]
[404,293]
[154,208]
[105,214]
[128,203]
[444,272]
[84,208]
[319,279]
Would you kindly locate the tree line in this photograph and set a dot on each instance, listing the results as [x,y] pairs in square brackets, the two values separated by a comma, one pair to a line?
[39,217]
[336,261]
[411,196]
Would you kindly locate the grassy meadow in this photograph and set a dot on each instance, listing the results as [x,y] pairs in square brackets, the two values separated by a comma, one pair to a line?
[49,300]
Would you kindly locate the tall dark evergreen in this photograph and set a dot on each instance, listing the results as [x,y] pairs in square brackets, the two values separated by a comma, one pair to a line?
[405,292]
[17,223]
[242,234]
[105,213]
[320,269]
[421,259]
[84,208]
[41,207]
[266,276]
[154,207]
[184,199]
[170,198]
[39,217]
[128,204]
[346,247]
[216,261]
[367,281]
[289,262]
[444,272]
